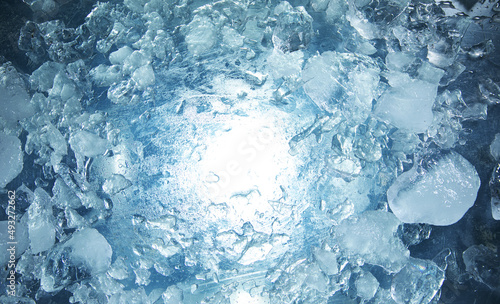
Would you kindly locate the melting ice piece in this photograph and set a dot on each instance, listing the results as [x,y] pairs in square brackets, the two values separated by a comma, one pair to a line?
[439,194]
[372,236]
[417,283]
[11,156]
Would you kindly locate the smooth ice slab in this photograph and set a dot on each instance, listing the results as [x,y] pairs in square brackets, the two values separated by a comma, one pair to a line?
[438,194]
[12,158]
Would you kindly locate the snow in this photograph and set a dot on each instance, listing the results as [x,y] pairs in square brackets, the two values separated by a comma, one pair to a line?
[439,194]
[12,158]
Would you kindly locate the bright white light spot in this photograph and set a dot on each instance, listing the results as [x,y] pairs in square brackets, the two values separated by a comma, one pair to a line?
[245,158]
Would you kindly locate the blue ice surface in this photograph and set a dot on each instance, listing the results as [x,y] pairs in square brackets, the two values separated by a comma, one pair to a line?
[180,139]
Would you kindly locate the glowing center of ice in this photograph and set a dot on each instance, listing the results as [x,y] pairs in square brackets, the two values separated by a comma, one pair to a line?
[245,158]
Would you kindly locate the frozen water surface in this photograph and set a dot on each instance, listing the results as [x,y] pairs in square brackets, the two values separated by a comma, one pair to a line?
[241,152]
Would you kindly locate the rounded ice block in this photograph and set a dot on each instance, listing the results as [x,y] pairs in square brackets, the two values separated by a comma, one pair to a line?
[438,195]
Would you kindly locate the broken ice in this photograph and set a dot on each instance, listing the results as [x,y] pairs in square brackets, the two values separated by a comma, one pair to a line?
[248,151]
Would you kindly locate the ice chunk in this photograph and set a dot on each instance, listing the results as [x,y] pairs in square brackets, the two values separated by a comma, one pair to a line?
[14,99]
[438,192]
[41,229]
[285,64]
[294,28]
[119,269]
[366,285]
[12,158]
[255,253]
[231,37]
[417,283]
[42,78]
[483,264]
[64,196]
[326,260]
[408,105]
[104,76]
[134,61]
[372,236]
[319,5]
[20,236]
[495,147]
[119,56]
[332,78]
[144,77]
[495,192]
[320,79]
[172,295]
[316,279]
[201,35]
[90,248]
[87,144]
[115,184]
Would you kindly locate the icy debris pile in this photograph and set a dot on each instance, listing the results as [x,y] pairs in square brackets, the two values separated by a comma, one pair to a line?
[357,92]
